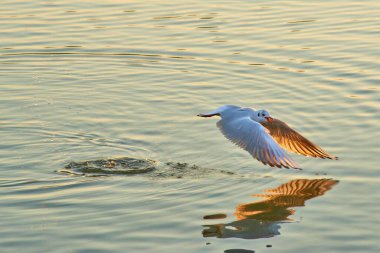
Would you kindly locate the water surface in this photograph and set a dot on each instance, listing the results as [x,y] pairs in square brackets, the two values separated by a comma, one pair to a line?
[86,81]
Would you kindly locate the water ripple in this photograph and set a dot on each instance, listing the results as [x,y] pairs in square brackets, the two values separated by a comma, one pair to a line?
[94,80]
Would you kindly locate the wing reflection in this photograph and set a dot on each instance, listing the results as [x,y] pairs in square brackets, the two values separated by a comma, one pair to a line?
[262,219]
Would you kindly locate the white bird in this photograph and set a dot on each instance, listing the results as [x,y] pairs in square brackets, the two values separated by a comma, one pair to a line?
[264,137]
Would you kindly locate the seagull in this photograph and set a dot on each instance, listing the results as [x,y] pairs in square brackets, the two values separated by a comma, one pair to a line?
[264,137]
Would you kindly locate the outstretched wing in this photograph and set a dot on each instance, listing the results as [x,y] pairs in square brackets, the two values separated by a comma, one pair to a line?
[253,137]
[292,141]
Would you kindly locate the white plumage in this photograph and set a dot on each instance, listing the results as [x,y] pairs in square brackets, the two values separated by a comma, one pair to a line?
[264,137]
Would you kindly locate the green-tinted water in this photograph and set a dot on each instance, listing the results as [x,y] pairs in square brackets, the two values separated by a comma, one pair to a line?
[87,81]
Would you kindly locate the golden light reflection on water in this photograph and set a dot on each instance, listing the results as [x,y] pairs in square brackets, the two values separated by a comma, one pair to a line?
[262,219]
[118,78]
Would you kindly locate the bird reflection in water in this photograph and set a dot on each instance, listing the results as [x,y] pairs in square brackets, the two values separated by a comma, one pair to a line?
[262,219]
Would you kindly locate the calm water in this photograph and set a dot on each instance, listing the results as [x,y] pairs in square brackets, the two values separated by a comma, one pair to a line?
[85,80]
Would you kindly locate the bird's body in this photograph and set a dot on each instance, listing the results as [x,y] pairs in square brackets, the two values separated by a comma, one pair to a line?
[263,137]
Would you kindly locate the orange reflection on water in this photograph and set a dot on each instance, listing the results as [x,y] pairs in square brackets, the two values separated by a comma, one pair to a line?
[276,201]
[262,219]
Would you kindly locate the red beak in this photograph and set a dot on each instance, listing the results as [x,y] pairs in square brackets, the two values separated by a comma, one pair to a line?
[269,119]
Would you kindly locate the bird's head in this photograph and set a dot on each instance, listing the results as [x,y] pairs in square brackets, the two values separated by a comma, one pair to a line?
[263,116]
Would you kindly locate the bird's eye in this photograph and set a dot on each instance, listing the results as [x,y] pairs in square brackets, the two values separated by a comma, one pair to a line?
[258,114]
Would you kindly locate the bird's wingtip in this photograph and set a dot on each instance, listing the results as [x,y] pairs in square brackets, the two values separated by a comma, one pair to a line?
[294,167]
[208,115]
[332,157]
